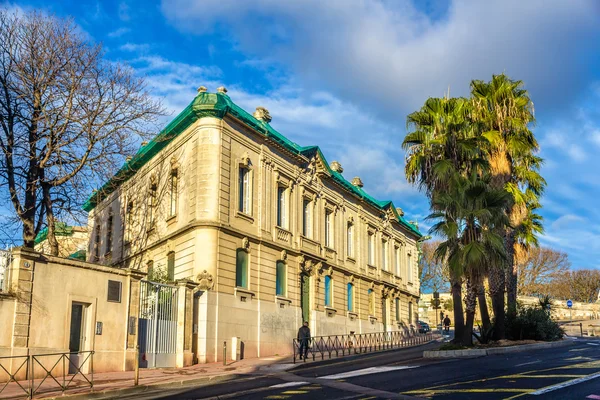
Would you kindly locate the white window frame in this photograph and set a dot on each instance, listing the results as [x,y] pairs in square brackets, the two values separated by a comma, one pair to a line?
[245,190]
[307,206]
[384,255]
[329,231]
[282,217]
[370,248]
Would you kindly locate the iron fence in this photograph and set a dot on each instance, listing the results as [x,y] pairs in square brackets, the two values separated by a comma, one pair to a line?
[60,370]
[358,343]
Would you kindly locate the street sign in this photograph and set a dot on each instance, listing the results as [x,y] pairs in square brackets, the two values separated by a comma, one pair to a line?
[569,303]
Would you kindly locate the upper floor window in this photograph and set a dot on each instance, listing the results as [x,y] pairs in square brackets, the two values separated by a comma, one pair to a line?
[152,200]
[350,297]
[397,260]
[329,228]
[384,255]
[307,218]
[328,291]
[350,239]
[282,207]
[173,192]
[241,268]
[97,241]
[245,195]
[280,279]
[409,268]
[371,250]
[410,313]
[171,266]
[109,232]
[129,221]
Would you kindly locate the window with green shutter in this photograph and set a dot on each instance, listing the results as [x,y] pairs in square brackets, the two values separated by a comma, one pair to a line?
[241,269]
[280,279]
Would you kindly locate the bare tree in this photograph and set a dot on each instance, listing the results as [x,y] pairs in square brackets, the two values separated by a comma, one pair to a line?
[578,285]
[434,274]
[68,117]
[539,268]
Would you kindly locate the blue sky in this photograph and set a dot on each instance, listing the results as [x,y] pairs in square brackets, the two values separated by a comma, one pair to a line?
[344,75]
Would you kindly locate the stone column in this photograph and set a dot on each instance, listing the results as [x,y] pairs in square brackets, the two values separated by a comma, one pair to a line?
[131,325]
[184,322]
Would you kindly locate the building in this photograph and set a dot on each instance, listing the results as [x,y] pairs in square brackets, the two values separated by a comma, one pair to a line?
[269,230]
[72,241]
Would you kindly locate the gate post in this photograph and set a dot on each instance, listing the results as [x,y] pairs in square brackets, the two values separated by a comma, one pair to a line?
[185,301]
[131,327]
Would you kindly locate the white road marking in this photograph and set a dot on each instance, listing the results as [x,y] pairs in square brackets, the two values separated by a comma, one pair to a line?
[528,363]
[593,344]
[366,371]
[287,385]
[566,384]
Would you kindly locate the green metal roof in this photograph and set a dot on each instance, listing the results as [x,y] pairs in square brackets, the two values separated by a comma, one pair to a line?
[218,105]
[61,229]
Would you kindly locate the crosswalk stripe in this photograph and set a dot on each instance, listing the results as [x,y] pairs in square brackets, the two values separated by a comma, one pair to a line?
[566,384]
[367,371]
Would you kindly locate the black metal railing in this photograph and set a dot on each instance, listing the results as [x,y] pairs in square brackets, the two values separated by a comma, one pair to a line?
[58,369]
[357,343]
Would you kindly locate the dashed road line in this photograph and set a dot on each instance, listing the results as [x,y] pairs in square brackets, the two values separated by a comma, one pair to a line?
[593,344]
[528,363]
[593,397]
[367,371]
[566,384]
[287,384]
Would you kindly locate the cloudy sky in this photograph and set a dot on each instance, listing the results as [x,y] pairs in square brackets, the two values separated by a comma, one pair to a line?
[344,75]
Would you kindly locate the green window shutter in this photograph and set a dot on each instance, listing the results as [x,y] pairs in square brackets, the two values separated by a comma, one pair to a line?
[241,269]
[350,297]
[327,291]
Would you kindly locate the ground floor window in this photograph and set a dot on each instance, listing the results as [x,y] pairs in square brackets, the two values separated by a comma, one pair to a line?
[280,279]
[241,269]
[397,309]
[350,297]
[328,291]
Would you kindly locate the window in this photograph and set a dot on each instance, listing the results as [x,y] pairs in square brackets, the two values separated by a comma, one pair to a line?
[97,242]
[350,297]
[410,313]
[280,272]
[109,232]
[397,261]
[328,291]
[152,204]
[370,245]
[408,269]
[282,207]
[150,270]
[384,256]
[241,269]
[114,292]
[397,309]
[328,229]
[244,190]
[171,266]
[371,295]
[173,192]
[350,244]
[129,221]
[306,223]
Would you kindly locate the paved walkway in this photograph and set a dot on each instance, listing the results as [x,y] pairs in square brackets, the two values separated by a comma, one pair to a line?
[117,381]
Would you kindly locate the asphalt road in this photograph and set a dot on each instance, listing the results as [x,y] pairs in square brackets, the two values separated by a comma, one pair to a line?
[571,372]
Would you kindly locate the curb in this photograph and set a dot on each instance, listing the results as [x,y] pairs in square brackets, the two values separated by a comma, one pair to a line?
[494,351]
[117,393]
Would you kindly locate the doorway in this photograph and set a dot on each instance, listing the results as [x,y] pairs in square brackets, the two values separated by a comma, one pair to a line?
[305,297]
[77,336]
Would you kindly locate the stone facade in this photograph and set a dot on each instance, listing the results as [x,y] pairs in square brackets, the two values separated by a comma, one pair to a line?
[222,199]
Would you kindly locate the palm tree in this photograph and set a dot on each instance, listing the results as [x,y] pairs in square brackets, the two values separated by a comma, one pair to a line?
[468,216]
[503,113]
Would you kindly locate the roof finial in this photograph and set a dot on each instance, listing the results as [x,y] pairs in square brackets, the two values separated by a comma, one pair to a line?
[356,181]
[222,89]
[336,166]
[202,89]
[262,114]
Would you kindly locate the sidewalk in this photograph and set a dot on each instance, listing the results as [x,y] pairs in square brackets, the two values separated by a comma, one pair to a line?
[114,382]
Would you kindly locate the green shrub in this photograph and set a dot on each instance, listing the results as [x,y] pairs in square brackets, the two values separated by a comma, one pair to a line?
[533,324]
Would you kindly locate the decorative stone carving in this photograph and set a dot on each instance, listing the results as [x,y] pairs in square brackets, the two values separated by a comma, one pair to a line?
[385,292]
[245,243]
[351,219]
[356,181]
[284,254]
[222,89]
[414,223]
[350,279]
[205,281]
[372,285]
[336,166]
[400,211]
[245,160]
[262,114]
[202,89]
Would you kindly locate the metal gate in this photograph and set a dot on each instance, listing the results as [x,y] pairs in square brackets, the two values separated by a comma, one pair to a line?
[157,328]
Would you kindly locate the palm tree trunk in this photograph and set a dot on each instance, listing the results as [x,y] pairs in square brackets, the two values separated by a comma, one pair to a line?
[459,319]
[511,274]
[470,306]
[496,279]
[483,308]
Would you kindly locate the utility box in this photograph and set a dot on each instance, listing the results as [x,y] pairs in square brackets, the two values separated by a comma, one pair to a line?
[236,348]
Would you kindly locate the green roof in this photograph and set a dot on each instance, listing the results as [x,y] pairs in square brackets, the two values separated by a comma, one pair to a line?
[218,105]
[60,228]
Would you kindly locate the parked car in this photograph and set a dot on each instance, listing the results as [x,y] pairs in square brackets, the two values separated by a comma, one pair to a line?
[423,327]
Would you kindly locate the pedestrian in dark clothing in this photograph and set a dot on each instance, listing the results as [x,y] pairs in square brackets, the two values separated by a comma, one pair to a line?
[447,324]
[303,339]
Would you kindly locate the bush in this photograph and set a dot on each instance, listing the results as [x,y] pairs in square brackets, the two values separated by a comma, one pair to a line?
[533,324]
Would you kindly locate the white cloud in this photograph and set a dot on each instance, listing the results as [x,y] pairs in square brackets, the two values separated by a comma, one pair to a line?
[119,32]
[568,221]
[134,47]
[124,11]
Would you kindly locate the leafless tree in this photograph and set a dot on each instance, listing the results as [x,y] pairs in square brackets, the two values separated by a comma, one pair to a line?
[68,117]
[539,268]
[434,274]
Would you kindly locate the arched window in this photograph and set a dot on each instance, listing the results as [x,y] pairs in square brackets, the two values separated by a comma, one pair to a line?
[241,268]
[350,297]
[280,278]
[328,292]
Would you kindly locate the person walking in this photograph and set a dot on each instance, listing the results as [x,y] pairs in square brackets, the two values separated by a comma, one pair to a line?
[303,339]
[447,324]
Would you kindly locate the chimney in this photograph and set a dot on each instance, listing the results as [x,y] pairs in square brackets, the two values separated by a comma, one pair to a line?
[357,182]
[262,114]
[336,166]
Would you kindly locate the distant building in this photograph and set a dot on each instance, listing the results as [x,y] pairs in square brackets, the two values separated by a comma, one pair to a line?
[72,241]
[270,231]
